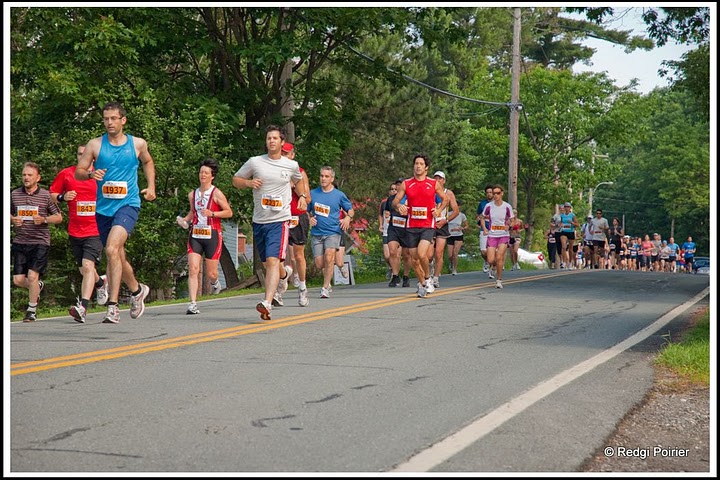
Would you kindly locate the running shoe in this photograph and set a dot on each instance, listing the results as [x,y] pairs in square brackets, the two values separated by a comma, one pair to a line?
[112,315]
[491,273]
[101,294]
[277,300]
[283,283]
[562,265]
[303,300]
[41,284]
[517,266]
[429,287]
[394,281]
[296,280]
[436,282]
[344,271]
[406,281]
[453,271]
[498,284]
[137,302]
[78,312]
[216,287]
[324,292]
[192,309]
[486,268]
[29,317]
[421,292]
[265,309]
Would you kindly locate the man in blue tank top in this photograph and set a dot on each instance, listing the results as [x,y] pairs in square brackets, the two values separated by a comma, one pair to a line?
[113,160]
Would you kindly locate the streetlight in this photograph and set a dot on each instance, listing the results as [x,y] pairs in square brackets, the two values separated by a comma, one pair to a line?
[590,195]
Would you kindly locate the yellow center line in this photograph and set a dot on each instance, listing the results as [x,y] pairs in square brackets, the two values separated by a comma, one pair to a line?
[202,337]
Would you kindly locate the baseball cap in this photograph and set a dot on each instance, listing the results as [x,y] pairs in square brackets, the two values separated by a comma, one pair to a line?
[400,180]
[287,147]
[589,217]
[568,204]
[439,174]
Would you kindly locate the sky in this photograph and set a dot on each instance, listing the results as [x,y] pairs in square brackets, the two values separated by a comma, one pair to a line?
[640,64]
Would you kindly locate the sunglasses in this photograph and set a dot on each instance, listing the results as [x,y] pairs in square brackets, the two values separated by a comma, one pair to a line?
[497,193]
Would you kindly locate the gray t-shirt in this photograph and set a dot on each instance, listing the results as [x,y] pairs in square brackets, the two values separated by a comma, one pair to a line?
[599,226]
[271,202]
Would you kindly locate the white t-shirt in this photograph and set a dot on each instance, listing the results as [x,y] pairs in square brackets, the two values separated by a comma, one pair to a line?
[272,200]
[500,216]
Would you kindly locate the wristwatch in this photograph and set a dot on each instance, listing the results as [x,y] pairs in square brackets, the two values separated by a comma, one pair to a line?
[302,195]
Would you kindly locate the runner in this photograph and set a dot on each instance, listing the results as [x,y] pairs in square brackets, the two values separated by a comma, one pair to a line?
[397,241]
[483,237]
[569,223]
[442,229]
[421,211]
[455,241]
[499,213]
[208,206]
[116,157]
[326,225]
[31,211]
[272,178]
[81,197]
[298,236]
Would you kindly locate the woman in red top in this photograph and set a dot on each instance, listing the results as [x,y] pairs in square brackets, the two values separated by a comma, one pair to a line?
[647,249]
[208,205]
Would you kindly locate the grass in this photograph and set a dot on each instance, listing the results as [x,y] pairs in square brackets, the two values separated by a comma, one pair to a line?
[690,358]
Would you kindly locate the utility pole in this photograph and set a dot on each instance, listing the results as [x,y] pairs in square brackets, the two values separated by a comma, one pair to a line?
[287,104]
[514,111]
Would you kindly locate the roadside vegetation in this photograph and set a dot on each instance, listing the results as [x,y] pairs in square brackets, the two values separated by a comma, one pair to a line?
[690,357]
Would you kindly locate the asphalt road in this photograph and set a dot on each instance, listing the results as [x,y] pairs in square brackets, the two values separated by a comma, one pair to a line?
[530,378]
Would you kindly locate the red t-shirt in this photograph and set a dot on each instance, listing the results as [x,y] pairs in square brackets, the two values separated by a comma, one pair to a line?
[81,210]
[420,196]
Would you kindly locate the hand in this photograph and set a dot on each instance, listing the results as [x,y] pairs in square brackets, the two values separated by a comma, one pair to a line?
[182,222]
[148,193]
[67,196]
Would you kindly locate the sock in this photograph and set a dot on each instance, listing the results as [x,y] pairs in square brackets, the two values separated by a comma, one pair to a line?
[84,303]
[135,294]
[302,286]
[100,283]
[110,304]
[32,307]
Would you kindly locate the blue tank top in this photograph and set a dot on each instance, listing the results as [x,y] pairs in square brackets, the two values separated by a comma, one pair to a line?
[119,187]
[567,222]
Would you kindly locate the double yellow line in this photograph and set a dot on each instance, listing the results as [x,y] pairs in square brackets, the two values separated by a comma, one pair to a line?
[158,345]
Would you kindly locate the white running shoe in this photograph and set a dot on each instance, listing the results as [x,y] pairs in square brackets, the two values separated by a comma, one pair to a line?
[216,287]
[436,282]
[77,311]
[486,268]
[303,299]
[137,303]
[429,287]
[491,273]
[498,284]
[421,292]
[453,271]
[277,300]
[324,292]
[112,315]
[296,280]
[265,310]
[283,283]
[517,266]
[344,271]
[101,294]
[192,309]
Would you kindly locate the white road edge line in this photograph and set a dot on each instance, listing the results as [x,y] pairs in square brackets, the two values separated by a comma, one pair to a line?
[445,449]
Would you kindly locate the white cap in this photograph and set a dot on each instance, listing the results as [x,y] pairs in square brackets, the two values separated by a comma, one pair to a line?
[439,174]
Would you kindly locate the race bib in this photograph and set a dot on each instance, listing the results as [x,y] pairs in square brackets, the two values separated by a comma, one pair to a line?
[201,231]
[399,222]
[85,209]
[294,221]
[456,230]
[322,210]
[273,202]
[419,213]
[498,227]
[115,190]
[26,212]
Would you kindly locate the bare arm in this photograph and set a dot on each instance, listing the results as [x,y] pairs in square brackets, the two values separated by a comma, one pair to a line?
[82,170]
[148,165]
